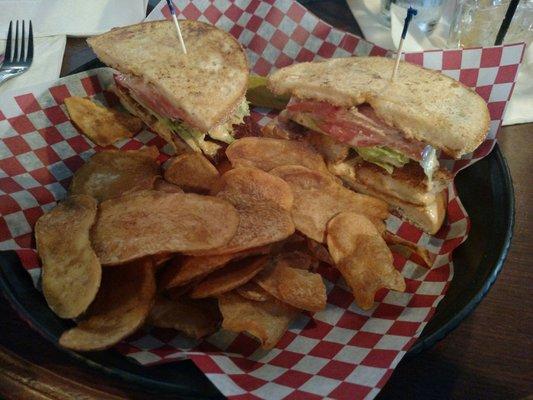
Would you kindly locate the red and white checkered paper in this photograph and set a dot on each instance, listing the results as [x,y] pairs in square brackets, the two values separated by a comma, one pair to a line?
[340,353]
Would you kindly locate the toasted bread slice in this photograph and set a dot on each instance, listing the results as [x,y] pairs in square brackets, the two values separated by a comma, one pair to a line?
[407,184]
[405,191]
[425,105]
[206,84]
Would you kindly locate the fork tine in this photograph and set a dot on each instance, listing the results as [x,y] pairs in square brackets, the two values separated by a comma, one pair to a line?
[7,54]
[29,54]
[16,52]
[23,42]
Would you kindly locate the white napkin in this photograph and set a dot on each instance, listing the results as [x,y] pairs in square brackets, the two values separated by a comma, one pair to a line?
[71,17]
[46,66]
[53,20]
[367,13]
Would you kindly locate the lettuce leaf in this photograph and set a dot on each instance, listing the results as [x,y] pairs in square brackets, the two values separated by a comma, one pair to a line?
[193,137]
[224,132]
[196,138]
[383,156]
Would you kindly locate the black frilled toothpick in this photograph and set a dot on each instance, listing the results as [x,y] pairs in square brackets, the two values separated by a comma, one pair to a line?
[411,12]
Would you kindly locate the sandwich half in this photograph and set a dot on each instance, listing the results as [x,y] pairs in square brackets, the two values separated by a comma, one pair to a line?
[191,100]
[382,137]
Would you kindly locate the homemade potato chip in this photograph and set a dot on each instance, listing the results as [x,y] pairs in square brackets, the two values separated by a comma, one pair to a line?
[252,291]
[268,153]
[405,248]
[151,222]
[262,201]
[179,291]
[192,172]
[223,166]
[288,130]
[319,251]
[332,150]
[318,197]
[71,271]
[160,259]
[295,259]
[228,278]
[265,320]
[112,173]
[362,257]
[120,307]
[304,289]
[252,185]
[102,125]
[164,186]
[341,237]
[191,268]
[195,318]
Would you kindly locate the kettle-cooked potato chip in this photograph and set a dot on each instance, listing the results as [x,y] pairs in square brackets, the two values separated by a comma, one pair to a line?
[292,285]
[405,248]
[71,271]
[252,185]
[102,125]
[262,201]
[192,172]
[120,307]
[195,318]
[228,278]
[161,259]
[362,257]
[151,222]
[252,291]
[265,320]
[341,236]
[319,251]
[178,292]
[295,259]
[191,268]
[302,289]
[318,198]
[112,173]
[332,150]
[268,153]
[163,186]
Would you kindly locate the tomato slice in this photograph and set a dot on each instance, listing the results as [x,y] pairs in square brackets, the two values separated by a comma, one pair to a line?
[358,126]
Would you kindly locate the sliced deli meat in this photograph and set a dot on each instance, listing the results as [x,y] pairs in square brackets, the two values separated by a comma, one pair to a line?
[356,126]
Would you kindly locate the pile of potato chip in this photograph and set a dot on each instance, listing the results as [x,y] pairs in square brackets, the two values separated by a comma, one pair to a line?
[197,247]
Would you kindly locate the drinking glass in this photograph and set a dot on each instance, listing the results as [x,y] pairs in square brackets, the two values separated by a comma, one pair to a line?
[429,12]
[477,22]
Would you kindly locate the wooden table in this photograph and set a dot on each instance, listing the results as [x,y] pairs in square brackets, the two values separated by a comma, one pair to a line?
[489,356]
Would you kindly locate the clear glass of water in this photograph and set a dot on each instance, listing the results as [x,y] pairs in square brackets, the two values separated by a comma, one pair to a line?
[429,12]
[476,23]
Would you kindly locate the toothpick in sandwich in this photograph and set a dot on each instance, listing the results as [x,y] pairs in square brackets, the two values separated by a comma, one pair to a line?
[173,13]
[411,12]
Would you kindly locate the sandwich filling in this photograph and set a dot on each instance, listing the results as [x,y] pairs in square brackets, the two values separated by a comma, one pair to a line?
[360,128]
[176,120]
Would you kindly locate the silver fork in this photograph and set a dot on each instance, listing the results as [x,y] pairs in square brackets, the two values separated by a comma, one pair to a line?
[19,61]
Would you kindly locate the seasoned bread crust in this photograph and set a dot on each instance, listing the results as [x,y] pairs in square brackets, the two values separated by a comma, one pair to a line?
[422,103]
[207,83]
[429,217]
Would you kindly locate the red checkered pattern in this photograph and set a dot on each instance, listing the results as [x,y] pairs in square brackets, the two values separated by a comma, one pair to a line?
[341,352]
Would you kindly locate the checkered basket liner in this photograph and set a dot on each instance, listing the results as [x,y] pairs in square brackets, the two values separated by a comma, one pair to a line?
[339,353]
